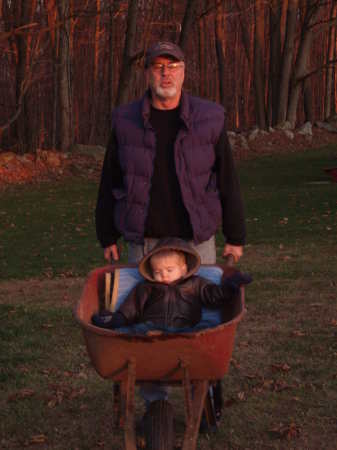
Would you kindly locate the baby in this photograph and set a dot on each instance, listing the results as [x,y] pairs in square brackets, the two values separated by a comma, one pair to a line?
[172,296]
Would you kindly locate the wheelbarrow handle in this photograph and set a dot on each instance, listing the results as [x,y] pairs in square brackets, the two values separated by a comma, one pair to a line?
[229,260]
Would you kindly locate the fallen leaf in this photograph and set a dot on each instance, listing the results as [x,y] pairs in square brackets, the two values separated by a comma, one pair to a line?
[288,432]
[83,375]
[52,403]
[38,439]
[19,395]
[286,258]
[241,396]
[292,431]
[228,403]
[298,333]
[280,367]
[76,393]
[235,363]
[281,385]
[55,399]
[48,371]
[250,377]
[267,384]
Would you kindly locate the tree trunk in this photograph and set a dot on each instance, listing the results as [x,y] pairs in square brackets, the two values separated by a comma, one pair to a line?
[130,40]
[111,65]
[95,90]
[287,60]
[307,100]
[24,12]
[203,51]
[329,57]
[54,107]
[275,60]
[202,58]
[333,90]
[186,28]
[259,79]
[219,40]
[64,88]
[246,40]
[238,66]
[301,66]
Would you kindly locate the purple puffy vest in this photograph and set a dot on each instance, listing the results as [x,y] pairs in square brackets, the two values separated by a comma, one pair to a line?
[194,158]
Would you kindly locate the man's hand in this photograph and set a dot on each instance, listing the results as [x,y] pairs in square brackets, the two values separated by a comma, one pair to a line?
[235,250]
[111,253]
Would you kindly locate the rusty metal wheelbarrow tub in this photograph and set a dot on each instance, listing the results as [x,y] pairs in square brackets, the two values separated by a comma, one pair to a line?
[206,353]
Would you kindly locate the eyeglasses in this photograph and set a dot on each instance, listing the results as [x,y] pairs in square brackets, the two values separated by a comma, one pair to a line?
[171,67]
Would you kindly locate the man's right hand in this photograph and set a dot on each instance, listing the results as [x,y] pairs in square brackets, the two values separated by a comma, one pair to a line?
[111,253]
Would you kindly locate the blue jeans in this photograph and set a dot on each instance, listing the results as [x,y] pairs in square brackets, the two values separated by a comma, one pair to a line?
[207,251]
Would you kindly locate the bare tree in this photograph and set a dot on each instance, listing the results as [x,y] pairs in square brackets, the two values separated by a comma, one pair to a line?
[96,92]
[259,78]
[187,25]
[219,40]
[275,14]
[287,59]
[202,35]
[128,53]
[64,80]
[23,13]
[301,65]
[331,55]
[111,60]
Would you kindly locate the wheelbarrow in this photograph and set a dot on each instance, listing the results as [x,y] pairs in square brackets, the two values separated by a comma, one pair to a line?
[195,360]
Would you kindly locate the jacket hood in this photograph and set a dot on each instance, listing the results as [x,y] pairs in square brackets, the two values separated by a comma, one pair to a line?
[192,256]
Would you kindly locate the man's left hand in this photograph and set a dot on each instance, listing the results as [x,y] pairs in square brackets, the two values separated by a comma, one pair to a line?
[235,250]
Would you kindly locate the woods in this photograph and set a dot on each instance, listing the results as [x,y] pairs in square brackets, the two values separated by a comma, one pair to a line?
[66,64]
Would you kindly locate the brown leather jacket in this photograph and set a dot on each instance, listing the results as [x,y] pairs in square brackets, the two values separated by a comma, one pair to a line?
[178,304]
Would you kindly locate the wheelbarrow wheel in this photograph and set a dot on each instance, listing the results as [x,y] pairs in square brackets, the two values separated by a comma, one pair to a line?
[158,426]
[212,409]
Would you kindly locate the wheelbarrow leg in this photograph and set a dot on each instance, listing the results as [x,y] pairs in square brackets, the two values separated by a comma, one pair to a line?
[128,406]
[117,406]
[194,405]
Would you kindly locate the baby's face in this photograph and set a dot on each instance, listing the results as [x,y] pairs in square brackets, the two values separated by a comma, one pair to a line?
[167,269]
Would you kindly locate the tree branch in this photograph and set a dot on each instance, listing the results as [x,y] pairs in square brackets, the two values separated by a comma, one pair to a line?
[329,63]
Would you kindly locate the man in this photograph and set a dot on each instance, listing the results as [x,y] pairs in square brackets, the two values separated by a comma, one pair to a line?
[168,169]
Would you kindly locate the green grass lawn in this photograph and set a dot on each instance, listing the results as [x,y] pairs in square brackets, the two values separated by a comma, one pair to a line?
[280,392]
[48,229]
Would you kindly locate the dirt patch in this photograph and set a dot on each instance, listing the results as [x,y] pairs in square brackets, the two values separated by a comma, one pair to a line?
[47,165]
[56,292]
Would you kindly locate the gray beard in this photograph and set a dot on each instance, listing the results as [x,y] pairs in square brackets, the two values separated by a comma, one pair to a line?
[166,92]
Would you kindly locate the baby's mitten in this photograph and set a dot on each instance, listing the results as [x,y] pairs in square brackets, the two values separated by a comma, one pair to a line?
[107,319]
[236,280]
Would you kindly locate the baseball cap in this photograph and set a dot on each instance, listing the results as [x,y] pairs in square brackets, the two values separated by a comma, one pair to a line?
[163,48]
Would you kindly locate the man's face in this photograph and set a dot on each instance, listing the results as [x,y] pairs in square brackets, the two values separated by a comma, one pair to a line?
[165,78]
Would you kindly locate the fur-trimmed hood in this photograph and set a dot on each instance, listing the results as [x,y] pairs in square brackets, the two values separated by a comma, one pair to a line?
[192,257]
